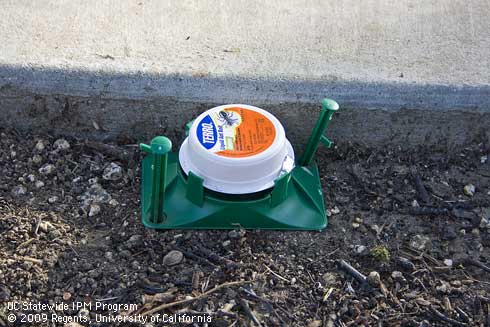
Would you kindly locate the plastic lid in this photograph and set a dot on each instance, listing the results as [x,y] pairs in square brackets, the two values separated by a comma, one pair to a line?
[236,149]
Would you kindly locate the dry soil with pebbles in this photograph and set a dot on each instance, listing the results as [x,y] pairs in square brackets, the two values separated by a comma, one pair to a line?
[407,243]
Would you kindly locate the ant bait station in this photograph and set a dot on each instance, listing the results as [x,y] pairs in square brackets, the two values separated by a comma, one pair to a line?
[235,169]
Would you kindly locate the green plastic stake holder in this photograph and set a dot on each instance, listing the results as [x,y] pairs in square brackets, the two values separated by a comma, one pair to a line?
[170,199]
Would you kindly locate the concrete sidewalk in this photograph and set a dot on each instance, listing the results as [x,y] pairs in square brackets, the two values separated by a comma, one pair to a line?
[382,54]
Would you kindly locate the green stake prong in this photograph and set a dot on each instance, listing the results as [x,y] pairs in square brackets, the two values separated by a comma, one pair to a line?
[159,148]
[326,141]
[145,148]
[195,189]
[280,191]
[329,106]
[188,127]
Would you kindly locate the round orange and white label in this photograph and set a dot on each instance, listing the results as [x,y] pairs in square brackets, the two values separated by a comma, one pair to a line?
[236,132]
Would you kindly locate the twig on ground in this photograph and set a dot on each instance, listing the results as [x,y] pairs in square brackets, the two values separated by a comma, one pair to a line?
[29,259]
[23,244]
[354,171]
[73,249]
[476,263]
[194,256]
[248,312]
[323,257]
[164,297]
[255,296]
[277,275]
[203,295]
[210,255]
[342,264]
[196,279]
[463,314]
[38,223]
[445,318]
[107,299]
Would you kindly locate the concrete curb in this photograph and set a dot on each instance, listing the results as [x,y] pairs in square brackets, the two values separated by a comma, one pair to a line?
[138,106]
[135,86]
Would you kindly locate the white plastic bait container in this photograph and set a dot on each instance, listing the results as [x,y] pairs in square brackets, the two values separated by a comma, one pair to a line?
[237,149]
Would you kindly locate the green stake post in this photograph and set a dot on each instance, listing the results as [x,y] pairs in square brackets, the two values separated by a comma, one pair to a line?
[159,148]
[329,106]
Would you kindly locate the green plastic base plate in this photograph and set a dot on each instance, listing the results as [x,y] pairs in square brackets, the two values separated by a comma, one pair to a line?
[295,202]
[172,200]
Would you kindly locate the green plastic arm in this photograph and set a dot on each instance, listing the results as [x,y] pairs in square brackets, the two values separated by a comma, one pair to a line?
[159,148]
[329,106]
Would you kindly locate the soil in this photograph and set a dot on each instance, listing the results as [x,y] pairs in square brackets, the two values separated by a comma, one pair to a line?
[414,224]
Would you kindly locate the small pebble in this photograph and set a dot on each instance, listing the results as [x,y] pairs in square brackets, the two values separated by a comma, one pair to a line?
[109,255]
[443,288]
[423,302]
[39,184]
[19,190]
[94,210]
[47,169]
[31,178]
[39,147]
[485,223]
[456,283]
[45,226]
[397,275]
[135,238]
[469,190]
[448,262]
[355,225]
[61,145]
[315,323]
[360,249]
[95,194]
[226,243]
[406,263]
[374,278]
[172,258]
[420,242]
[335,210]
[52,199]
[37,159]
[113,172]
[329,279]
[93,181]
